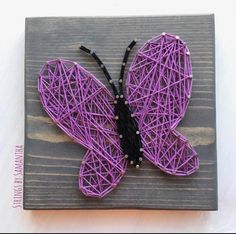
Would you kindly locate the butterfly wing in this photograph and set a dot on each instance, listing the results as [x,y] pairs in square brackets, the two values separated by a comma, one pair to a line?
[83,108]
[158,89]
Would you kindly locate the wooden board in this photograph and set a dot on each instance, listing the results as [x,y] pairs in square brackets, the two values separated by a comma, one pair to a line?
[52,160]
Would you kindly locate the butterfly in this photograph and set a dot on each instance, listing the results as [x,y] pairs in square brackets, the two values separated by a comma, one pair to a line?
[122,127]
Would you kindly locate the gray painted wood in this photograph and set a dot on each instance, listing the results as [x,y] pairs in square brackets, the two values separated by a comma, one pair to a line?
[52,160]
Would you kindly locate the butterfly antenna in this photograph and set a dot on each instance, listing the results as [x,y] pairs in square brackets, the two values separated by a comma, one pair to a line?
[102,66]
[124,62]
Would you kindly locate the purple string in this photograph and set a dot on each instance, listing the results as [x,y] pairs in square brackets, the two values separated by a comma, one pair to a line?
[158,90]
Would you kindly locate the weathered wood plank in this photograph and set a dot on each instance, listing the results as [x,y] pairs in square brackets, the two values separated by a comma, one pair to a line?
[52,160]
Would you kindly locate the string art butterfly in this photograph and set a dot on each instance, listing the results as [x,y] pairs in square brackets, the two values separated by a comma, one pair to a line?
[121,128]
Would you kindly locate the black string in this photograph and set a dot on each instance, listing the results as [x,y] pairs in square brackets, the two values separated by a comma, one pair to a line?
[104,69]
[102,66]
[127,126]
[124,62]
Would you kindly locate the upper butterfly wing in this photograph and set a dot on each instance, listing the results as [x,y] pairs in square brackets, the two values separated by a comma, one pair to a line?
[158,89]
[83,108]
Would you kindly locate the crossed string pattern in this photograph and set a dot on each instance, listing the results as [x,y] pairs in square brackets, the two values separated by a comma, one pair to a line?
[83,108]
[158,90]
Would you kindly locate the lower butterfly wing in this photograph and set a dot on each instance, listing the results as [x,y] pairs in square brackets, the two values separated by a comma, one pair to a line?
[158,89]
[83,108]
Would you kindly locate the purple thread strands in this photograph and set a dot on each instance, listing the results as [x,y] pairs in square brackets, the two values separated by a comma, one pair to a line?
[158,89]
[83,108]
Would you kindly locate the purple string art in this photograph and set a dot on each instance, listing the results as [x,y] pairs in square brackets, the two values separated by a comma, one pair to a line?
[83,108]
[158,90]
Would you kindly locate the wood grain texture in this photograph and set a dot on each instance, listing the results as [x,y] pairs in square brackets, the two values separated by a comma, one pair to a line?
[52,160]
